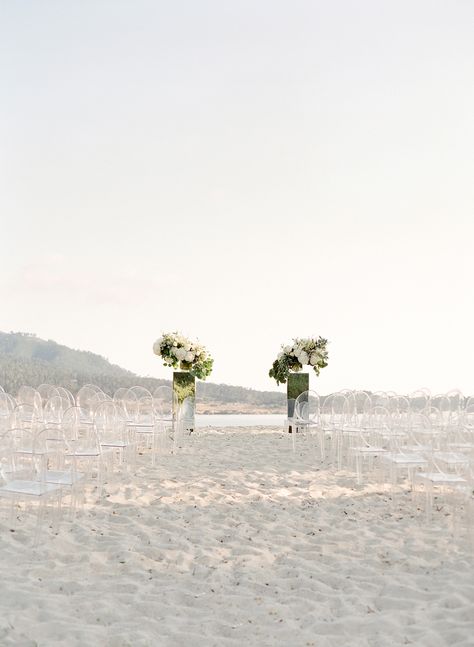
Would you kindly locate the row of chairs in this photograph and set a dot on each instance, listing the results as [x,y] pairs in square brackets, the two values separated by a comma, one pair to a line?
[412,442]
[345,409]
[52,444]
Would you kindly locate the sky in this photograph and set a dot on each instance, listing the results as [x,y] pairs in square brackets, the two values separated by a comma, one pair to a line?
[244,172]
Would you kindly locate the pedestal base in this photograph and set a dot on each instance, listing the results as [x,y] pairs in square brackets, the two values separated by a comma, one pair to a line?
[184,386]
[296,384]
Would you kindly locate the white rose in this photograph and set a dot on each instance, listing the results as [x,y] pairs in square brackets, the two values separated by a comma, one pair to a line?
[287,350]
[313,360]
[180,354]
[189,357]
[303,357]
[157,347]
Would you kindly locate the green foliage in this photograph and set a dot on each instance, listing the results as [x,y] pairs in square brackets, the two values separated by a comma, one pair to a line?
[282,367]
[311,352]
[179,351]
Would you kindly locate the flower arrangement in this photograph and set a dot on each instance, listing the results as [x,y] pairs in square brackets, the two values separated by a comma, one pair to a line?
[292,358]
[178,351]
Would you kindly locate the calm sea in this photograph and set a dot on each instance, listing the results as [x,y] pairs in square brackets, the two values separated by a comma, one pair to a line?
[240,420]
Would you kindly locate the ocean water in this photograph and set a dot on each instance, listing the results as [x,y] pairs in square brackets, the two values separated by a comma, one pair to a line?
[240,420]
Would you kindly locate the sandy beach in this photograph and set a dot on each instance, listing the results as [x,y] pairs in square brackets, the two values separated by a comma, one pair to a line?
[239,541]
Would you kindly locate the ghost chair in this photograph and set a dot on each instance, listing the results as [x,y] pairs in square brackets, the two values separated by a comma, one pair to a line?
[114,434]
[445,476]
[26,416]
[165,405]
[7,405]
[371,440]
[22,477]
[47,391]
[66,395]
[140,392]
[146,427]
[53,411]
[119,393]
[94,461]
[307,418]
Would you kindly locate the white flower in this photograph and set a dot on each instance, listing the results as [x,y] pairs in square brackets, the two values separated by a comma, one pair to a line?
[180,354]
[287,350]
[189,357]
[157,347]
[313,360]
[303,357]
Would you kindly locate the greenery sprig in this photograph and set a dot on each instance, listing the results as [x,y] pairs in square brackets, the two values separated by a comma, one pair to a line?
[178,351]
[292,358]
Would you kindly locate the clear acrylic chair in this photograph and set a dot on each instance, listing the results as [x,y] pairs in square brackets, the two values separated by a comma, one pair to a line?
[26,416]
[53,411]
[336,411]
[7,405]
[113,432]
[66,395]
[443,478]
[165,405]
[405,455]
[87,399]
[129,405]
[140,392]
[119,394]
[47,391]
[146,426]
[22,477]
[371,441]
[307,418]
[60,468]
[27,395]
[83,445]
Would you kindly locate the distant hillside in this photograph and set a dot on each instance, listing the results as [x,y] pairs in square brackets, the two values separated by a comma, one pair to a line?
[27,359]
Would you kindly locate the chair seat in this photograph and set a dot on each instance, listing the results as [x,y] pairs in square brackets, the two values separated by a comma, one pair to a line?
[369,450]
[121,444]
[86,453]
[438,477]
[139,425]
[451,458]
[31,488]
[406,459]
[62,478]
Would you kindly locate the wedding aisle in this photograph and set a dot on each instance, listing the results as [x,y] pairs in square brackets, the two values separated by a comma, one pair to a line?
[239,541]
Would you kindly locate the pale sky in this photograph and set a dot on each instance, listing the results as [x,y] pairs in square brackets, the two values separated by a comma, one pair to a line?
[244,172]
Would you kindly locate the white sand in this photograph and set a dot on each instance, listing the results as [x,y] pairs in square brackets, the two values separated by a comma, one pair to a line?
[239,542]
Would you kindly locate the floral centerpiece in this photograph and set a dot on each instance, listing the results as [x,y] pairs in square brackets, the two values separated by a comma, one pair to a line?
[311,352]
[178,351]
